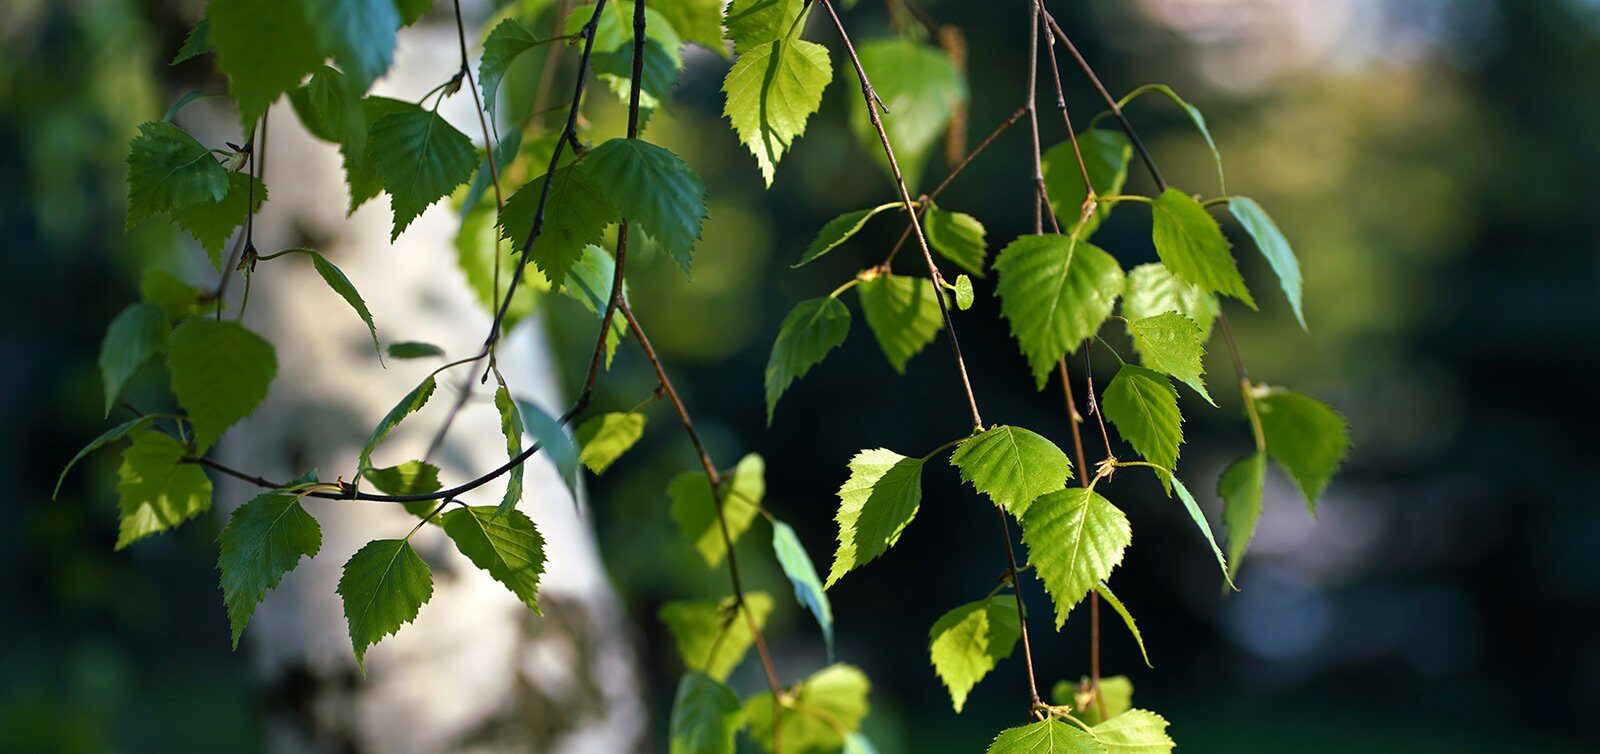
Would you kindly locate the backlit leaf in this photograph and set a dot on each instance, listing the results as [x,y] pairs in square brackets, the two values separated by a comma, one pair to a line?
[810,330]
[876,504]
[967,642]
[1055,292]
[1105,155]
[772,90]
[713,636]
[838,230]
[824,708]
[1191,245]
[157,489]
[1144,407]
[695,509]
[1013,466]
[504,543]
[383,586]
[1306,437]
[1240,488]
[1152,290]
[958,237]
[1170,344]
[509,39]
[576,215]
[264,539]
[606,437]
[756,22]
[511,427]
[1134,732]
[1074,538]
[1050,736]
[921,89]
[903,314]
[1127,619]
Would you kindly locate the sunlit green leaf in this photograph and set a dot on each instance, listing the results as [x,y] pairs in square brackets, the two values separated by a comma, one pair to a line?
[772,90]
[1074,537]
[1127,619]
[157,489]
[1191,245]
[410,404]
[824,708]
[958,237]
[1144,408]
[1170,344]
[1050,736]
[511,427]
[504,543]
[606,437]
[713,636]
[838,230]
[1240,488]
[695,509]
[1055,292]
[1013,466]
[903,314]
[575,216]
[876,504]
[1134,732]
[1105,155]
[1306,437]
[967,642]
[654,189]
[922,90]
[1153,290]
[383,586]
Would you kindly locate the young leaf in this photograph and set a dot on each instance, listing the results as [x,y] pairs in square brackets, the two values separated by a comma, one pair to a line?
[409,478]
[509,39]
[876,504]
[264,539]
[756,22]
[504,543]
[1105,155]
[958,237]
[264,47]
[1306,437]
[109,436]
[773,88]
[1154,290]
[1191,505]
[1240,488]
[802,574]
[575,216]
[157,488]
[1055,291]
[903,314]
[1114,695]
[712,636]
[1191,245]
[695,509]
[196,44]
[1011,465]
[420,158]
[220,373]
[967,642]
[410,404]
[605,438]
[653,188]
[921,89]
[1170,344]
[554,443]
[134,337]
[963,291]
[511,427]
[1274,246]
[1049,736]
[809,331]
[1074,538]
[168,170]
[360,34]
[413,349]
[699,21]
[705,716]
[212,223]
[1144,407]
[1134,732]
[1194,116]
[1127,619]
[823,709]
[838,230]
[383,586]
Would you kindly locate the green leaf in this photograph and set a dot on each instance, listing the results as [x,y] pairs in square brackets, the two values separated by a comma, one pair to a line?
[1191,245]
[1127,619]
[773,89]
[213,223]
[855,743]
[1274,246]
[504,543]
[1115,695]
[413,349]
[605,438]
[360,34]
[1105,156]
[589,283]
[109,436]
[331,108]
[410,404]
[922,91]
[1153,290]
[412,11]
[963,291]
[903,314]
[511,427]
[1194,116]
[809,331]
[554,443]
[838,230]
[1011,465]
[264,47]
[705,716]
[264,539]
[133,338]
[336,280]
[477,244]
[654,189]
[958,237]
[662,67]
[409,478]
[712,636]
[1199,517]
[220,373]
[1074,538]
[1049,736]
[196,44]
[695,509]
[1306,437]
[1056,292]
[967,642]
[1170,344]
[157,489]
[802,574]
[1144,407]
[360,162]
[420,158]
[168,171]
[755,22]
[383,586]
[1134,732]
[508,40]
[575,216]
[876,504]
[1240,488]
[699,21]
[824,708]
[505,153]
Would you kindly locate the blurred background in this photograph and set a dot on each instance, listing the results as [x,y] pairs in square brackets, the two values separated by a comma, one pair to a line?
[1430,160]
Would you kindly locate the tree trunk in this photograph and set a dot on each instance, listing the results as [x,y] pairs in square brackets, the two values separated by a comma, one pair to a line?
[477,671]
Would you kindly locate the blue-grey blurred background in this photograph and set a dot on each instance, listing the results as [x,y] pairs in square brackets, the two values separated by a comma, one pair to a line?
[1432,162]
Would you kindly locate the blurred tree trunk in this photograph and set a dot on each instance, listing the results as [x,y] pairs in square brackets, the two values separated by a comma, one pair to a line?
[477,671]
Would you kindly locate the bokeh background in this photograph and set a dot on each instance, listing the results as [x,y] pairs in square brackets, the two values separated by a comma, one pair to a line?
[1431,160]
